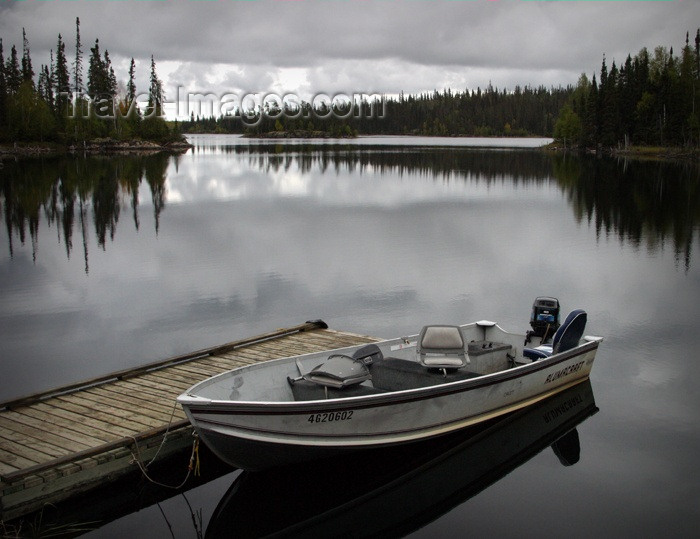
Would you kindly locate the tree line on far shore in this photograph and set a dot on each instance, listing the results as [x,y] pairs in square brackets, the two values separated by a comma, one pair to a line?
[60,104]
[650,99]
[526,111]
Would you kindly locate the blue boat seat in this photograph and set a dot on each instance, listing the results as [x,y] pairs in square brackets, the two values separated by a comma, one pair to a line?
[567,337]
[441,347]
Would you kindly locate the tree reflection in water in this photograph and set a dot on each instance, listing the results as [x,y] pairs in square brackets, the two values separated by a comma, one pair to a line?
[58,188]
[647,203]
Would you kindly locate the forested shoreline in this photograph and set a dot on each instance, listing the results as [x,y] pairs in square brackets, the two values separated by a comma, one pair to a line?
[649,100]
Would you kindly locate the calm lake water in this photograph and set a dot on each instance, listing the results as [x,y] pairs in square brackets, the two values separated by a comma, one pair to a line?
[107,264]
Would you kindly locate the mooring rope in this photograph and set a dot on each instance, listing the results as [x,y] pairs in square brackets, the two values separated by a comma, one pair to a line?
[193,464]
[167,430]
[194,457]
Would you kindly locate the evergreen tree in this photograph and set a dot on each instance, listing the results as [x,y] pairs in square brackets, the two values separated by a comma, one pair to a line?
[27,70]
[3,93]
[154,127]
[95,73]
[686,91]
[697,53]
[78,64]
[12,72]
[591,117]
[62,85]
[131,86]
[44,86]
[610,108]
[155,93]
[111,78]
[128,106]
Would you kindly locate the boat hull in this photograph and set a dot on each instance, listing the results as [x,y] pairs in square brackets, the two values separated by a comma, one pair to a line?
[257,435]
[395,491]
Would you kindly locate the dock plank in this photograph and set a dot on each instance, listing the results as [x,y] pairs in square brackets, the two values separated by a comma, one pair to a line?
[197,373]
[172,378]
[67,412]
[32,416]
[142,408]
[31,448]
[148,390]
[161,406]
[104,410]
[161,380]
[99,418]
[16,429]
[6,468]
[15,461]
[45,423]
[226,365]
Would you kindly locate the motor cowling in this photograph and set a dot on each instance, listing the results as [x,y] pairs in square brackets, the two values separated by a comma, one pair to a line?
[544,318]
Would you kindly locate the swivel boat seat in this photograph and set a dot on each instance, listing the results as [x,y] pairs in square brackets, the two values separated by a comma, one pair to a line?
[567,337]
[442,347]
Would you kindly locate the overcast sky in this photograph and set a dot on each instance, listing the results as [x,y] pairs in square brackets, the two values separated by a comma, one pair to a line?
[308,47]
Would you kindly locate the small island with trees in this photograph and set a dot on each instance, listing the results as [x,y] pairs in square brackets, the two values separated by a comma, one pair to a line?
[60,110]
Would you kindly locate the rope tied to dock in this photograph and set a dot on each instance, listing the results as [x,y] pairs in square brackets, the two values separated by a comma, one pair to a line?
[193,462]
[192,466]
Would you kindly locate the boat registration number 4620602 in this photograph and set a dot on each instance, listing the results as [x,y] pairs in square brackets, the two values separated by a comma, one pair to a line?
[328,417]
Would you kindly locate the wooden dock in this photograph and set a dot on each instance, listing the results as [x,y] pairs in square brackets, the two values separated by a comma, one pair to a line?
[72,439]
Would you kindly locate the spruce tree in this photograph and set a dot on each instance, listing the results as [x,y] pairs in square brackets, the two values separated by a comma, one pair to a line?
[155,93]
[12,72]
[131,87]
[27,70]
[62,85]
[78,64]
[110,83]
[95,73]
[111,78]
[154,127]
[44,86]
[3,93]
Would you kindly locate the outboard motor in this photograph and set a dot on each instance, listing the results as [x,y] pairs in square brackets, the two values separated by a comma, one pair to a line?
[544,318]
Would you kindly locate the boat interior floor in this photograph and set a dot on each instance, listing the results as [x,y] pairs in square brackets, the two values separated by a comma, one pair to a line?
[388,374]
[395,374]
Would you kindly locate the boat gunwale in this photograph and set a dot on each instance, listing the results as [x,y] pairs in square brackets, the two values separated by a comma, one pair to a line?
[197,404]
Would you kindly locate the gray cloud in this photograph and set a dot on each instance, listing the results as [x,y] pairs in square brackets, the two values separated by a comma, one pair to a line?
[375,46]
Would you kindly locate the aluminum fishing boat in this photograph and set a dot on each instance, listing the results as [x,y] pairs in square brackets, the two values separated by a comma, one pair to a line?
[394,491]
[390,392]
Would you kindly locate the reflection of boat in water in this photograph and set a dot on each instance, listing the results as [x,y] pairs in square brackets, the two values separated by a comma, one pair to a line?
[396,490]
[387,393]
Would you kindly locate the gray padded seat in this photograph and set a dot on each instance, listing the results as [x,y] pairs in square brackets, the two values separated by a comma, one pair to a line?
[442,347]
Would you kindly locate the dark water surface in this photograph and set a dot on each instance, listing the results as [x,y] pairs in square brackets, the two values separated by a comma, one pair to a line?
[111,263]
